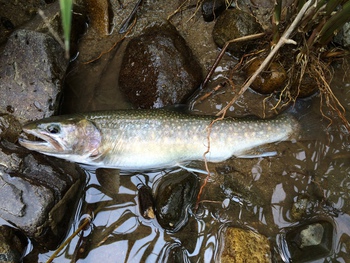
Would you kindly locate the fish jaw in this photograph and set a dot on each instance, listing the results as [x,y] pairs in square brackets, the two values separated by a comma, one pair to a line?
[46,144]
[73,139]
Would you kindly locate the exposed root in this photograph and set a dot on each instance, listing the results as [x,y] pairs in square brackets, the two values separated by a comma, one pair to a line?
[206,161]
[282,41]
[306,64]
[319,69]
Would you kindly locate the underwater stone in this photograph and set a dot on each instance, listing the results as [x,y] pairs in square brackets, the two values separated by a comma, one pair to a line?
[245,246]
[146,202]
[13,244]
[309,242]
[301,208]
[175,195]
[312,235]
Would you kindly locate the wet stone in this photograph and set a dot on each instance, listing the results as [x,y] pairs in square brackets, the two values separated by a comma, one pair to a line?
[343,37]
[176,254]
[232,24]
[303,207]
[175,195]
[158,68]
[101,16]
[38,194]
[146,202]
[32,68]
[211,9]
[13,244]
[304,88]
[310,241]
[10,128]
[269,80]
[245,246]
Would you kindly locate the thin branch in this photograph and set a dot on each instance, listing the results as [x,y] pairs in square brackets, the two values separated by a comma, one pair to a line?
[222,52]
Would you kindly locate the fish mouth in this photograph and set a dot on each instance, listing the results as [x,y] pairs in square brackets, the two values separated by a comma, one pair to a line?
[39,141]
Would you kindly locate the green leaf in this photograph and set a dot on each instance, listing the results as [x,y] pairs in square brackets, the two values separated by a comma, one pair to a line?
[66,14]
[335,23]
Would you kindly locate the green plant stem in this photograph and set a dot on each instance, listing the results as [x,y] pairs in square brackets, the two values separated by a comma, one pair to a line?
[276,21]
[334,23]
[66,15]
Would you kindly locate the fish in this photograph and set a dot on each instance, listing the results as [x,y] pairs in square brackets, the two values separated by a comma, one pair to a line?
[141,140]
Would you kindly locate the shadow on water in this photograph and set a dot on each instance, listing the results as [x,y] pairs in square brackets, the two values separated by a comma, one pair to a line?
[121,234]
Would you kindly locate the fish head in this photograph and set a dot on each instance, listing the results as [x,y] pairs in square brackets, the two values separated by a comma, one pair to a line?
[68,138]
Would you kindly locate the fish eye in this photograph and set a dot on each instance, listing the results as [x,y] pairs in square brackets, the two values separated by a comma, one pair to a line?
[53,129]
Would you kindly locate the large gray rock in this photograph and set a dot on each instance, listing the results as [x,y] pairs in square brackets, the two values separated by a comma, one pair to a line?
[31,72]
[38,194]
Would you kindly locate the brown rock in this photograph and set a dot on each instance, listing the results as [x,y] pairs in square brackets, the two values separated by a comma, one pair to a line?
[101,15]
[269,80]
[245,246]
[232,24]
[158,68]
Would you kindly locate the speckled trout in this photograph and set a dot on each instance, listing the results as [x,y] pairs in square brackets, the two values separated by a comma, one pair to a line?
[151,139]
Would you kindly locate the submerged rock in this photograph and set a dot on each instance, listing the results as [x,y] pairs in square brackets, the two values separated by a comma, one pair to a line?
[245,246]
[158,68]
[146,202]
[232,24]
[309,242]
[176,254]
[38,195]
[175,195]
[31,70]
[13,244]
[303,207]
